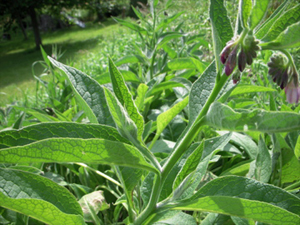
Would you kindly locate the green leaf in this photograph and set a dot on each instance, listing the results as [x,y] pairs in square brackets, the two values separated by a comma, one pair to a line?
[297,149]
[241,187]
[221,28]
[128,76]
[245,142]
[29,134]
[223,117]
[166,37]
[166,117]
[124,123]
[89,94]
[130,59]
[164,86]
[263,163]
[289,38]
[246,6]
[184,63]
[201,91]
[164,23]
[76,150]
[290,166]
[130,25]
[140,98]
[245,89]
[40,115]
[259,211]
[38,197]
[265,27]
[197,164]
[258,12]
[278,26]
[125,98]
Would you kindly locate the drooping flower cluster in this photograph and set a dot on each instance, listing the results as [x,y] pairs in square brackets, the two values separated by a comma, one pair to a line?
[285,75]
[242,48]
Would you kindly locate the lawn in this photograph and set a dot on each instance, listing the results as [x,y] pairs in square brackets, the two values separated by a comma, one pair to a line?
[18,55]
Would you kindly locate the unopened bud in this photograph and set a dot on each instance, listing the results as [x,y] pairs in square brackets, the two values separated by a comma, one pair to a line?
[242,60]
[231,62]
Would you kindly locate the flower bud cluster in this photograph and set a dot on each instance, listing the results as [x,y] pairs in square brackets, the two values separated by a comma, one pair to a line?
[285,75]
[239,52]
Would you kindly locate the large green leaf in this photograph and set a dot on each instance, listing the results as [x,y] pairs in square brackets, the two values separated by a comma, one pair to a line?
[29,134]
[221,28]
[125,98]
[76,150]
[38,197]
[265,27]
[223,117]
[289,38]
[286,19]
[89,94]
[258,12]
[183,64]
[241,187]
[255,210]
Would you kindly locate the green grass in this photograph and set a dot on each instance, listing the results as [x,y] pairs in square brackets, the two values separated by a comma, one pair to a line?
[18,55]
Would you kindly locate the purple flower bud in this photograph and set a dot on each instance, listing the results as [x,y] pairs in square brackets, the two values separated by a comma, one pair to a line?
[284,79]
[292,93]
[231,62]
[225,53]
[242,60]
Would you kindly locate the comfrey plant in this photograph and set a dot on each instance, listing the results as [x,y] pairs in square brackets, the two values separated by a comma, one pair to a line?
[173,189]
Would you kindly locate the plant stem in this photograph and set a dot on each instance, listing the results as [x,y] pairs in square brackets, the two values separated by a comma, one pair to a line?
[191,133]
[178,152]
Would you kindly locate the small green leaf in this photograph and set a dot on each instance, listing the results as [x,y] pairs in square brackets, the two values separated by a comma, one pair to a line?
[297,149]
[130,25]
[140,98]
[286,19]
[164,23]
[289,38]
[184,63]
[124,123]
[76,150]
[89,94]
[125,98]
[246,6]
[223,117]
[245,89]
[263,163]
[258,12]
[166,117]
[171,218]
[130,59]
[166,37]
[38,197]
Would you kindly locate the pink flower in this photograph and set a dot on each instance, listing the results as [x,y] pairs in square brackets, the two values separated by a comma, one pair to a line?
[292,93]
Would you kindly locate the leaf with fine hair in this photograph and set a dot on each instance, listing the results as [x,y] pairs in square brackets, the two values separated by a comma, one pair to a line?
[37,132]
[259,10]
[77,150]
[223,117]
[88,93]
[221,28]
[38,197]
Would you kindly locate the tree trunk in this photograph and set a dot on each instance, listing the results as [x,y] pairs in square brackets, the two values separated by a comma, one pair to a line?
[134,3]
[22,27]
[35,26]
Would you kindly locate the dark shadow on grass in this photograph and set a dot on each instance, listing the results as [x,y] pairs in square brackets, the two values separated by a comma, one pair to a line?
[16,62]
